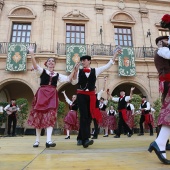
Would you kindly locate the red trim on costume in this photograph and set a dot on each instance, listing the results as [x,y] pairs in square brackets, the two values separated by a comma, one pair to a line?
[165,77]
[95,112]
[124,114]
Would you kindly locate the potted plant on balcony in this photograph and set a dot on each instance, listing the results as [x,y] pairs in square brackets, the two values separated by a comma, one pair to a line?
[3,118]
[22,115]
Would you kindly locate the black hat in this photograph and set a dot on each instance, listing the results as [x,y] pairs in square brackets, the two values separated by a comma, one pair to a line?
[85,57]
[160,38]
[143,96]
[122,90]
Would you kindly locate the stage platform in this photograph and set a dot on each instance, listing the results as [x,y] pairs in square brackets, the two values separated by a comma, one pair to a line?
[107,153]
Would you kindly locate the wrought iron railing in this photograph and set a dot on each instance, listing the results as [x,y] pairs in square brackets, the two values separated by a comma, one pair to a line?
[107,50]
[4,47]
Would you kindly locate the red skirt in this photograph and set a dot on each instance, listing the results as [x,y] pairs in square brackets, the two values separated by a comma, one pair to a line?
[44,106]
[71,121]
[105,119]
[148,119]
[164,115]
[112,124]
[130,119]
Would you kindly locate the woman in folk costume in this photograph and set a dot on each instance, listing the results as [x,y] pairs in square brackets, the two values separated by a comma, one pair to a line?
[45,102]
[162,64]
[112,124]
[71,120]
[130,114]
[105,118]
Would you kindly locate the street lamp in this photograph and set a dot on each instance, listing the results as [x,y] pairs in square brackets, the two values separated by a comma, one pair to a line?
[149,35]
[101,31]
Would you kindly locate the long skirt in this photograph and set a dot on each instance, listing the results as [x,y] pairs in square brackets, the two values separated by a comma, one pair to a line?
[164,115]
[71,121]
[112,124]
[44,106]
[130,119]
[105,119]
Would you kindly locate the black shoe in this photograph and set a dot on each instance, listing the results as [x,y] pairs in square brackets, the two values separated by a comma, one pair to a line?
[154,146]
[125,133]
[68,137]
[151,134]
[140,134]
[13,135]
[116,136]
[36,144]
[50,144]
[94,137]
[79,142]
[168,147]
[129,135]
[105,135]
[87,143]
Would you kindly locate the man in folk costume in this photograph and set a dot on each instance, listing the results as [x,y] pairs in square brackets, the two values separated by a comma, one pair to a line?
[162,63]
[85,79]
[146,117]
[122,104]
[11,110]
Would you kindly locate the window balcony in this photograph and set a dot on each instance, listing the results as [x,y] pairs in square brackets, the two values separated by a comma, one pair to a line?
[4,47]
[107,50]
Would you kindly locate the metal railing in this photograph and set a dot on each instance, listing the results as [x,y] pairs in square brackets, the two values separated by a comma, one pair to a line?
[4,47]
[107,50]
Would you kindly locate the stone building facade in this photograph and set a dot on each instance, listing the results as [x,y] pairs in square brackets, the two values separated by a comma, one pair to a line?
[48,21]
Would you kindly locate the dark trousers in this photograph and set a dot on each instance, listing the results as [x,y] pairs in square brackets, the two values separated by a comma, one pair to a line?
[123,124]
[142,120]
[12,119]
[85,117]
[96,128]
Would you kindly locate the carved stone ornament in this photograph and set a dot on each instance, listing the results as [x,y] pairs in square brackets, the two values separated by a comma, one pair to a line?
[21,12]
[1,4]
[50,5]
[75,15]
[121,4]
[99,8]
[144,12]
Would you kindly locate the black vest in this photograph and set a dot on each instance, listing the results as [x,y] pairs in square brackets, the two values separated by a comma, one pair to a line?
[103,108]
[74,106]
[122,103]
[97,102]
[111,114]
[128,107]
[144,106]
[45,79]
[87,82]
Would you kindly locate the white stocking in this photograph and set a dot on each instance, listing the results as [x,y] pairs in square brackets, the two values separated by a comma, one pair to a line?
[38,132]
[161,140]
[106,130]
[68,132]
[111,131]
[49,133]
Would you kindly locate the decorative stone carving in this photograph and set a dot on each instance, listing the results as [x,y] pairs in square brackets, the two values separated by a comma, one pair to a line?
[50,5]
[122,18]
[99,8]
[121,4]
[1,4]
[143,9]
[22,12]
[75,15]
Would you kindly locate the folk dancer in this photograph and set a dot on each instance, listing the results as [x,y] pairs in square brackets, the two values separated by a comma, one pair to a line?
[45,102]
[71,121]
[86,79]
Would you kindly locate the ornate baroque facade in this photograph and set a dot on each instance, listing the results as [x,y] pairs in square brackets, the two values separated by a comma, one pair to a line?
[48,20]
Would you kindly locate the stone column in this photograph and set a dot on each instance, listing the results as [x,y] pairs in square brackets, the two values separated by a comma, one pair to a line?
[99,20]
[1,5]
[145,22]
[47,44]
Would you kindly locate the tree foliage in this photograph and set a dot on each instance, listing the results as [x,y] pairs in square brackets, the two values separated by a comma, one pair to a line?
[3,117]
[22,114]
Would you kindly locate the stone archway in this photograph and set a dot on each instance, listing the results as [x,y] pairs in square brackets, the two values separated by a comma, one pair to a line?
[16,89]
